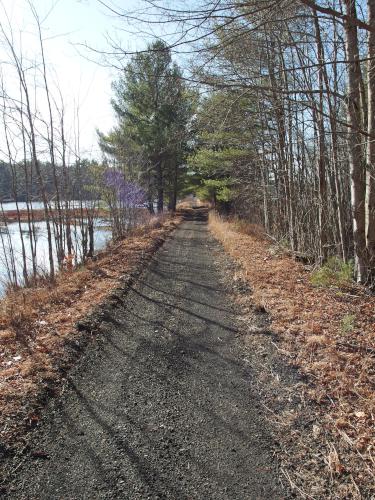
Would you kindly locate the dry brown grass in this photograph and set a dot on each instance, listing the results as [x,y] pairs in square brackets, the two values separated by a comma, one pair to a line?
[188,203]
[37,325]
[339,361]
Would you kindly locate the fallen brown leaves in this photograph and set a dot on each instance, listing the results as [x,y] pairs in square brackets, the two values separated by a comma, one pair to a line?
[37,325]
[337,355]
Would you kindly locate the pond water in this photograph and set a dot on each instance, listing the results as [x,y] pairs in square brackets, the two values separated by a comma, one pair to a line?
[102,235]
[38,205]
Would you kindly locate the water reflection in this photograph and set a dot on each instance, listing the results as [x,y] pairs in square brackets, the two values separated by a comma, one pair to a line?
[102,234]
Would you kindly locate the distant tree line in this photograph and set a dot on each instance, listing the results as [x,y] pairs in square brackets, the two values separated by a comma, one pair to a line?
[13,185]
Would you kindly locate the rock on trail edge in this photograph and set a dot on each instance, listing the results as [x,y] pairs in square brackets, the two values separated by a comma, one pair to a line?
[165,407]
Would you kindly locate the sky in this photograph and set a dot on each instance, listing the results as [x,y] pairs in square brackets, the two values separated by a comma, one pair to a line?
[66,25]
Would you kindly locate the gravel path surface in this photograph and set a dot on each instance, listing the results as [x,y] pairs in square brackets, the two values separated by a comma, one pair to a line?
[165,408]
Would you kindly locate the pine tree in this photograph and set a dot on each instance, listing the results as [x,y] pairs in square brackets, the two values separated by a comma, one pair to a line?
[153,108]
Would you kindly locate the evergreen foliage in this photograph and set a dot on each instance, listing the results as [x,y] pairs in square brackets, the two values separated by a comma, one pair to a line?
[154,110]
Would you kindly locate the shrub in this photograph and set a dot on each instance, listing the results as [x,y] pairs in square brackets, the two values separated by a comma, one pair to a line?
[335,272]
[348,323]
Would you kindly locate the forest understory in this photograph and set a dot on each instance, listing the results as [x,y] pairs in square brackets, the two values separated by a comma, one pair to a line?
[327,333]
[44,329]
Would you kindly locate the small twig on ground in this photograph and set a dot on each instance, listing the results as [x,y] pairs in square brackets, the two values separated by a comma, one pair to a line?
[295,487]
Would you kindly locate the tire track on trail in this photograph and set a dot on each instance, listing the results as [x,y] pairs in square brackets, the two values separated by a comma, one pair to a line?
[165,407]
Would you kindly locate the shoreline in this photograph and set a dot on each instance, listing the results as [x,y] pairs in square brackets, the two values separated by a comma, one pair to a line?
[38,215]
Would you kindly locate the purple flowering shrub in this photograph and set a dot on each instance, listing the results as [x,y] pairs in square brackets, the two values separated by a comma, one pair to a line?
[128,194]
[125,199]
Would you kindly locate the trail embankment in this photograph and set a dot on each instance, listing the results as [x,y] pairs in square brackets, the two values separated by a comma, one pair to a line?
[42,332]
[328,334]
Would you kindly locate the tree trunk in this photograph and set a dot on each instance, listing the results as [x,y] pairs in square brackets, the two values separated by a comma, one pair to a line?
[322,157]
[173,202]
[370,173]
[160,187]
[357,170]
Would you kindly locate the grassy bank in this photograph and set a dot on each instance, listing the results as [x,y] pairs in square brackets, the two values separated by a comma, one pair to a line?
[328,333]
[42,329]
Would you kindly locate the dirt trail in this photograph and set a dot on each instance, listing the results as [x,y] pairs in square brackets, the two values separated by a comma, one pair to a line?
[165,407]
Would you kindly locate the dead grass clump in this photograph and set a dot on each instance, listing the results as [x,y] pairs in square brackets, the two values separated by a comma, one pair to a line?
[329,334]
[21,307]
[7,336]
[313,342]
[249,229]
